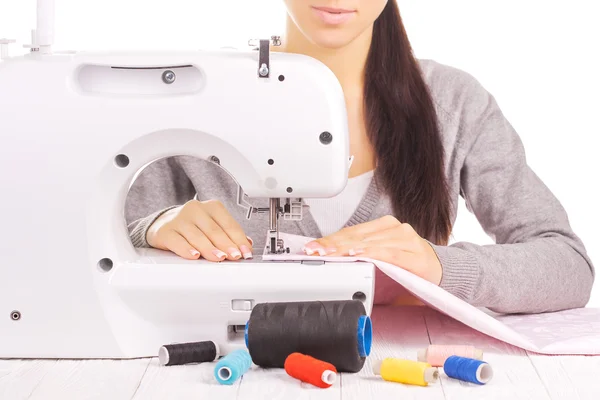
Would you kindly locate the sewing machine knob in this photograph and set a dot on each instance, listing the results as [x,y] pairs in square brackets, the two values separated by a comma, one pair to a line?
[168,77]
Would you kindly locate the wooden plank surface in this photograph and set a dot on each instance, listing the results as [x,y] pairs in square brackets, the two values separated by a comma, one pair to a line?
[399,332]
[514,377]
[569,378]
[91,379]
[181,382]
[19,378]
[276,384]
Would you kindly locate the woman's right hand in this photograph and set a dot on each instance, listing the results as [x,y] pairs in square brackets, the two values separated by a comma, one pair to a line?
[200,229]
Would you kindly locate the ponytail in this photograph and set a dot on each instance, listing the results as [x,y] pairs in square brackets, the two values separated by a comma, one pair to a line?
[402,127]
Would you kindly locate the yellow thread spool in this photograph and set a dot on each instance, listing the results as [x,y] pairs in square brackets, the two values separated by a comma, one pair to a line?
[406,371]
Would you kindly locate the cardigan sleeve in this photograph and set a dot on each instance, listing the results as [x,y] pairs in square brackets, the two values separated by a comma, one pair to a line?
[537,264]
[159,187]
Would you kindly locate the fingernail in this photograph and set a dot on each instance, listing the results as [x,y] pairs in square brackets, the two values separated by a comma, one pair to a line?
[235,253]
[195,253]
[250,240]
[308,251]
[246,252]
[219,253]
[353,252]
[322,252]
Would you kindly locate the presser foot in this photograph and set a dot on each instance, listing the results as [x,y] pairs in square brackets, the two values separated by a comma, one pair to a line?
[275,245]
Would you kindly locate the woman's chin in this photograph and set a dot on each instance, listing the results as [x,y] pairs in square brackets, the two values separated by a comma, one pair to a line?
[330,39]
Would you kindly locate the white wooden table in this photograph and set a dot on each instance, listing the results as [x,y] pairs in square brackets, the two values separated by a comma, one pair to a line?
[398,332]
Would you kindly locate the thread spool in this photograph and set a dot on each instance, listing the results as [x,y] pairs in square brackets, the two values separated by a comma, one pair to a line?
[405,371]
[231,367]
[310,370]
[337,332]
[468,370]
[436,355]
[187,353]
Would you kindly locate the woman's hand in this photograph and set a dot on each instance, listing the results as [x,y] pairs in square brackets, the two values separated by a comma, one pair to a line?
[384,239]
[200,229]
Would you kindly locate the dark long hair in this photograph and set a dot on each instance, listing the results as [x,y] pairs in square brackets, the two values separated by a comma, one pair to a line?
[402,127]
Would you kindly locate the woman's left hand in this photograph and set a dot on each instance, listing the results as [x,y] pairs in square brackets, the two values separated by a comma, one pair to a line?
[385,239]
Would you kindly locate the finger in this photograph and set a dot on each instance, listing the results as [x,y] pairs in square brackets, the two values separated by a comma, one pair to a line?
[369,227]
[403,236]
[196,238]
[230,226]
[361,247]
[215,234]
[326,246]
[177,244]
[353,233]
[347,248]
[355,248]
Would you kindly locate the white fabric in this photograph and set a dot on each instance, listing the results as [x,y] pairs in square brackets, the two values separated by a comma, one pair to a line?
[571,332]
[331,214]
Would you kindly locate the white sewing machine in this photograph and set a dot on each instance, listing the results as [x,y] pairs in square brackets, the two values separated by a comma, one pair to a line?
[75,128]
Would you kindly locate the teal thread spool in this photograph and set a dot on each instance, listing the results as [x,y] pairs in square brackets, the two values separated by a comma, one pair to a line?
[231,367]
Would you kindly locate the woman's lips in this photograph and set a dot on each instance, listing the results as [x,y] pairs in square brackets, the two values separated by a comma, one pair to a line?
[333,16]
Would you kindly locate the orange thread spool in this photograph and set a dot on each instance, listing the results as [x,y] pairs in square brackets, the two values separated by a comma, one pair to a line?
[310,370]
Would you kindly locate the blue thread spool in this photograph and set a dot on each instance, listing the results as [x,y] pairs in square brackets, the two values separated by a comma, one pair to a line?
[231,367]
[468,370]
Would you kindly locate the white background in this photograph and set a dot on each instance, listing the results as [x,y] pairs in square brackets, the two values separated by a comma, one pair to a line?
[540,59]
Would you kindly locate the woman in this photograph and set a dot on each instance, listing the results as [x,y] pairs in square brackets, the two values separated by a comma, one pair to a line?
[422,134]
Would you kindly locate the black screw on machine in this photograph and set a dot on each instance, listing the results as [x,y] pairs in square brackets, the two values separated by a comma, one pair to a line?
[326,138]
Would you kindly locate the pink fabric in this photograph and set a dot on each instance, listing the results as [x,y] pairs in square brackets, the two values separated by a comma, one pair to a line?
[574,332]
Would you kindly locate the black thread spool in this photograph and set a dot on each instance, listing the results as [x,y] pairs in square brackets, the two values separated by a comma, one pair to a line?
[337,332]
[188,353]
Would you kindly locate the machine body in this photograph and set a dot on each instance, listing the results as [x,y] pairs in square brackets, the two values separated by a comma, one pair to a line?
[76,128]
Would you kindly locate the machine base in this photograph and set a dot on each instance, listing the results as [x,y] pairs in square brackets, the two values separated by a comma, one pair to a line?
[161,299]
